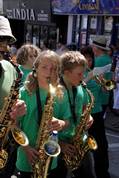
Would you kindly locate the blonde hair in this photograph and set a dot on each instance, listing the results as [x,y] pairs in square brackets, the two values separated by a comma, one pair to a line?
[31,83]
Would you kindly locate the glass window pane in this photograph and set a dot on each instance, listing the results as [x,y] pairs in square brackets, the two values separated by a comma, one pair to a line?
[35,35]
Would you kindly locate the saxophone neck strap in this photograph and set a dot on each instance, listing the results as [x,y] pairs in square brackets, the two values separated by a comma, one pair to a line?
[39,105]
[71,103]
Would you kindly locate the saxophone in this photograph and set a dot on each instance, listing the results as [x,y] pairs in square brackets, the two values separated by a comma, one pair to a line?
[40,168]
[81,140]
[7,126]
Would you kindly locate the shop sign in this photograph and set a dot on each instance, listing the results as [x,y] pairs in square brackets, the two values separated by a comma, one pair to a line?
[75,6]
[27,14]
[85,6]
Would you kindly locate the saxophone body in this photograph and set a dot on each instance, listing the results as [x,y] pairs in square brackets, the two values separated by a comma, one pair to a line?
[40,168]
[7,126]
[81,140]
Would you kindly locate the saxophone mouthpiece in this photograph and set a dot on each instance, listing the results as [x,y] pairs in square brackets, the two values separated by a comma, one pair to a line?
[52,89]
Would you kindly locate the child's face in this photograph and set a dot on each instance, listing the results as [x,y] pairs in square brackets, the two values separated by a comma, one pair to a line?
[75,76]
[46,70]
[89,60]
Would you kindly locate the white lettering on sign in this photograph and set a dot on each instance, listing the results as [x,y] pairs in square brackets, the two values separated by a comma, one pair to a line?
[42,17]
[22,14]
[27,14]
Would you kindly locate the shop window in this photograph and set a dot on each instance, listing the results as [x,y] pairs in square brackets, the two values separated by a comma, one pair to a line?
[52,38]
[48,37]
[43,35]
[93,24]
[35,37]
[28,34]
[84,22]
[92,28]
[83,30]
[108,24]
[74,28]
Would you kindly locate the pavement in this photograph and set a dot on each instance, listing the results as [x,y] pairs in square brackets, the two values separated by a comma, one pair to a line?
[112,121]
[112,133]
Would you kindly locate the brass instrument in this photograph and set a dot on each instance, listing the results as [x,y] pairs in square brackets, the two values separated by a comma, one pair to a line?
[106,84]
[40,168]
[7,126]
[81,140]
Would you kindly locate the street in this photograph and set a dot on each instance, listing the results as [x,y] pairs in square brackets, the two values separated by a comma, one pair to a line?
[113,140]
[112,132]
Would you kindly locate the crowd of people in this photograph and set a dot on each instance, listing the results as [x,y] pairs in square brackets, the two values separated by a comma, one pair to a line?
[65,69]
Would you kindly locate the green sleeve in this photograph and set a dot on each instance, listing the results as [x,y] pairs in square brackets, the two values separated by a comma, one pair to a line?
[62,107]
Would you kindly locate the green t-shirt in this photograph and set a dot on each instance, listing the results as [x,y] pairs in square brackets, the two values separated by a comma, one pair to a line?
[81,99]
[96,91]
[6,80]
[100,62]
[25,72]
[29,122]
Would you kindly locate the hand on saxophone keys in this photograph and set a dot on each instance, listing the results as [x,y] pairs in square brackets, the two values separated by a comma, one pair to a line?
[57,124]
[18,109]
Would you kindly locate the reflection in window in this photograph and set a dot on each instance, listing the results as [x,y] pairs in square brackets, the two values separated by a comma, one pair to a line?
[41,35]
[28,36]
[36,35]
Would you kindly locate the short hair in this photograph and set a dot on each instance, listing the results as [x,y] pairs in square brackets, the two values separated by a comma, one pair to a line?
[71,59]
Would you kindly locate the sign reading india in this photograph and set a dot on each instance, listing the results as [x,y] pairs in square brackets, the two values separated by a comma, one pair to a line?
[27,14]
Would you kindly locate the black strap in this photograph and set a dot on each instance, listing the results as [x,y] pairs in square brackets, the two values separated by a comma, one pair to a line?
[72,104]
[1,70]
[39,106]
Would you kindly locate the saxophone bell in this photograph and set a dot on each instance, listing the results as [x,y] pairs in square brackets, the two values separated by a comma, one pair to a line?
[92,143]
[3,158]
[110,85]
[19,136]
[52,148]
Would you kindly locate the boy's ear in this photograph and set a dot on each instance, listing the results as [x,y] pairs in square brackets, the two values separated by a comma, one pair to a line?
[66,72]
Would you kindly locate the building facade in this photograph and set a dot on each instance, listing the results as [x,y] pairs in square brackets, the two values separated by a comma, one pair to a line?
[66,21]
[87,18]
[31,21]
